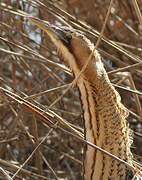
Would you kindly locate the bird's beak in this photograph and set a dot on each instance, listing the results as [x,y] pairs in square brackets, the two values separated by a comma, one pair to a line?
[52,31]
[45,26]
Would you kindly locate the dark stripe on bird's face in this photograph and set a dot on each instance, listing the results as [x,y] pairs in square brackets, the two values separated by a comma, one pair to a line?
[64,36]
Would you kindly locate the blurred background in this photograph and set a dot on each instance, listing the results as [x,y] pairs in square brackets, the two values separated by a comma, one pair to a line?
[31,69]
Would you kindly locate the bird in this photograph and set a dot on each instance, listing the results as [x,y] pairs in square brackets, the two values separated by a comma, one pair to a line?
[104,115]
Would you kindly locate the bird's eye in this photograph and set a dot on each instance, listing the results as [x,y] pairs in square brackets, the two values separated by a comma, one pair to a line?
[69,37]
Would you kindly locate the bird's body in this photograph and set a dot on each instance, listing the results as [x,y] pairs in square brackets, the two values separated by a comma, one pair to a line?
[104,115]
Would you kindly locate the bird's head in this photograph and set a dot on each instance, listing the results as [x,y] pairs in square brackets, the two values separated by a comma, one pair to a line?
[72,46]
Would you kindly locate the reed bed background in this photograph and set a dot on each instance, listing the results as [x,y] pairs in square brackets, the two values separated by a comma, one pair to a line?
[32,79]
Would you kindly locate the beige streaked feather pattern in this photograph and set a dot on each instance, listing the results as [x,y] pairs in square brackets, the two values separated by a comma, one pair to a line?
[104,115]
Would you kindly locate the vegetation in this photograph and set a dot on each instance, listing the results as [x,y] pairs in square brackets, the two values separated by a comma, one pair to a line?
[36,110]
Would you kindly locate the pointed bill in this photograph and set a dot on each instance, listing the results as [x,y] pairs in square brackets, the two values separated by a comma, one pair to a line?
[53,32]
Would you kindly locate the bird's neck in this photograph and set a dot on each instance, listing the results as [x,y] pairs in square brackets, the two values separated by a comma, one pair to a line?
[104,125]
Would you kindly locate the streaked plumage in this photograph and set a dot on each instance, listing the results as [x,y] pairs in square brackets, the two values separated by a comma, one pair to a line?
[104,115]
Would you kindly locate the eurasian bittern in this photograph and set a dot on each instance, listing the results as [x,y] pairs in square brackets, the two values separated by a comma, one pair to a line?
[104,114]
